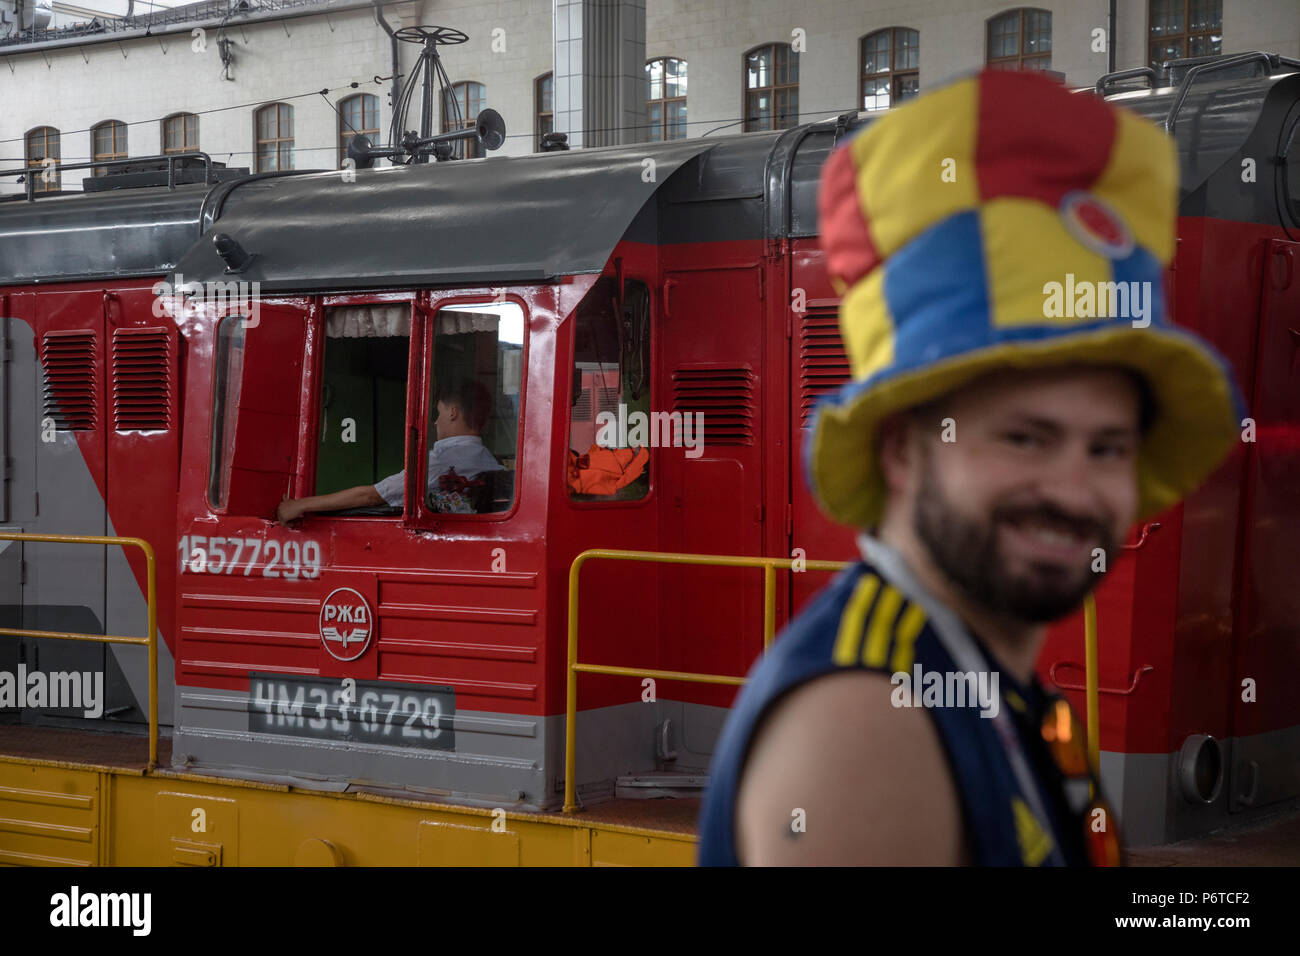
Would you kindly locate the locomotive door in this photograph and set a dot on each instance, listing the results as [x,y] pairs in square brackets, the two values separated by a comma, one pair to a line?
[18,436]
[65,583]
[141,428]
[711,496]
[242,578]
[1266,731]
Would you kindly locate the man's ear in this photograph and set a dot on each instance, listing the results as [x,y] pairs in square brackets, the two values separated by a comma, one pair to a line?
[895,450]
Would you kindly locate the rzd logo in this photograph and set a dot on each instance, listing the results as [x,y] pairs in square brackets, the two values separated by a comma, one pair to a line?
[345,624]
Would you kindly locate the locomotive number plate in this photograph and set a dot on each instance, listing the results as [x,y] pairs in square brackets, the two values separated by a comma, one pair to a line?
[375,712]
[267,558]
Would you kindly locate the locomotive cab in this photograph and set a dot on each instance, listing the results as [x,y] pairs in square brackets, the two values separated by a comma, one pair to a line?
[408,640]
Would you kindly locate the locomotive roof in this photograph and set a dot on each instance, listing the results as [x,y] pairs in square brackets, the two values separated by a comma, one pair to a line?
[502,219]
[117,233]
[1218,121]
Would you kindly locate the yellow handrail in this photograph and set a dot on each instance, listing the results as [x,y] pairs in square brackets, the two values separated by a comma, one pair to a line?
[1090,691]
[151,642]
[769,566]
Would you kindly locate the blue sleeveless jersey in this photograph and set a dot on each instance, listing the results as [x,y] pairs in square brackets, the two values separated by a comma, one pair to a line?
[862,621]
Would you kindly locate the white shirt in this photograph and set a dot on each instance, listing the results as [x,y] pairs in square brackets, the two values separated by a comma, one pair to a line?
[466,453]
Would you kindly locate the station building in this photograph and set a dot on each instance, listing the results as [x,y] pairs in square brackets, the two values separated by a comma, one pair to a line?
[284,84]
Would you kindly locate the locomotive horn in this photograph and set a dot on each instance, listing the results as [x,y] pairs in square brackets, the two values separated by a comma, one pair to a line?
[491,128]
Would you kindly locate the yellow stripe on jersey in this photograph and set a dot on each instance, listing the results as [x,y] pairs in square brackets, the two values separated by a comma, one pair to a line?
[909,625]
[881,626]
[850,637]
[1035,843]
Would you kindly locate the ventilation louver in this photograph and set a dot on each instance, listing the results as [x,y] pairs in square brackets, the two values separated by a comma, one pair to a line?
[141,380]
[725,396]
[68,379]
[823,366]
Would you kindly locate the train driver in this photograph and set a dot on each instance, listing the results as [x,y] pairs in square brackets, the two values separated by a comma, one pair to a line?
[457,461]
[993,450]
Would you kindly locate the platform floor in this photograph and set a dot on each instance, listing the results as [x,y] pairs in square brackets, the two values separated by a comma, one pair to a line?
[670,815]
[130,751]
[1273,841]
[127,751]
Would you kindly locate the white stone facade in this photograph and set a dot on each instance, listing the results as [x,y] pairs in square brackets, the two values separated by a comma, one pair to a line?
[512,43]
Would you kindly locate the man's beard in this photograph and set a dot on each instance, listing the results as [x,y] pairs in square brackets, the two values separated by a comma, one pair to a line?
[966,551]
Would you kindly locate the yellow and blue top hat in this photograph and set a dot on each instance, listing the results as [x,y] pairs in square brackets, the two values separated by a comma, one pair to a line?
[971,230]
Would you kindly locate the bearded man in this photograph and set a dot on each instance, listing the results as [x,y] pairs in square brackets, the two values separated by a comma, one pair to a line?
[991,446]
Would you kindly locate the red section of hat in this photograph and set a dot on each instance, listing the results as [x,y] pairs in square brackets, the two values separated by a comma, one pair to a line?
[1037,140]
[845,234]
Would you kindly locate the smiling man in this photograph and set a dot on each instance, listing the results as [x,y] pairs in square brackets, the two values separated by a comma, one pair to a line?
[994,449]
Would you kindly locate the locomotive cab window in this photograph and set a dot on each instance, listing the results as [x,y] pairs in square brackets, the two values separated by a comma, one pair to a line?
[363,402]
[228,375]
[473,409]
[256,393]
[609,443]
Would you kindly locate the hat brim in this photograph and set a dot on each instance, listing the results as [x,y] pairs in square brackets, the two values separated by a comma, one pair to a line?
[1195,425]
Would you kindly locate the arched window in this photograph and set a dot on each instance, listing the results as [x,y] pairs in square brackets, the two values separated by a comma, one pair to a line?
[358,115]
[891,67]
[274,124]
[1020,39]
[1182,28]
[43,144]
[460,107]
[180,133]
[771,87]
[109,141]
[666,98]
[544,103]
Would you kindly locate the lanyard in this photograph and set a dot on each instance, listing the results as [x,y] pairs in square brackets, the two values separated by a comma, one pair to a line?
[966,654]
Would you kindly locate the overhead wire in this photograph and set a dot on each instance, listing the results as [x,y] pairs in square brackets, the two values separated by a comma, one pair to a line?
[354,84]
[821,113]
[399,114]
